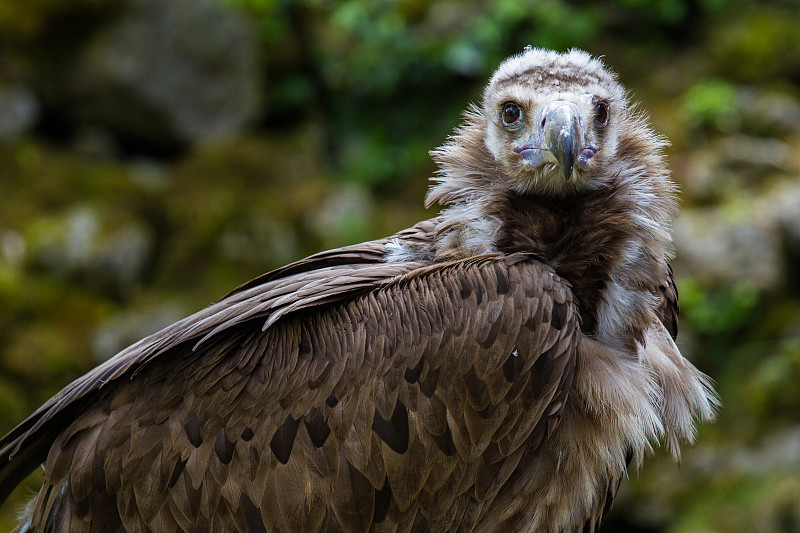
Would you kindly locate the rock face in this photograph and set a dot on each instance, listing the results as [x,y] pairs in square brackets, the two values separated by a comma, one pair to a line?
[166,71]
[19,110]
[721,249]
[744,227]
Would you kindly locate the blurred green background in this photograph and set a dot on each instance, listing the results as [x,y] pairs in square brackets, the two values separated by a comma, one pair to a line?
[156,153]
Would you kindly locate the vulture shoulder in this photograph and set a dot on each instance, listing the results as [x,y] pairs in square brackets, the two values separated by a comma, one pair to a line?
[351,394]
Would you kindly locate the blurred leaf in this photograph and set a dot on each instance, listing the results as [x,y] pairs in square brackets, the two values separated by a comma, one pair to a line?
[717,312]
[772,390]
[712,103]
[747,48]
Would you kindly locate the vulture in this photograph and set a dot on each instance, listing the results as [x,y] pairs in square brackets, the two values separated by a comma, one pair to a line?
[499,367]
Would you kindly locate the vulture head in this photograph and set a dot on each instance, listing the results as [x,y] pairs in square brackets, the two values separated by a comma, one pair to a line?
[552,120]
[550,124]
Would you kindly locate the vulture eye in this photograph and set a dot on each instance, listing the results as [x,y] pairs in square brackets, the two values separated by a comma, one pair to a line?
[511,113]
[601,113]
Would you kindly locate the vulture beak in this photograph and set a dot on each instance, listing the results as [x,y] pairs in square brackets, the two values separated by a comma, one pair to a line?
[558,139]
[562,134]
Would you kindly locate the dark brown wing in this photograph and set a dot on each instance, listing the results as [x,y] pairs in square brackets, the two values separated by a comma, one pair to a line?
[335,274]
[407,404]
[26,446]
[669,309]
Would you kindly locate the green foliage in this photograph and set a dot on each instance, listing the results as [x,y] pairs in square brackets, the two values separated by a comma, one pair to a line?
[717,312]
[368,56]
[352,62]
[712,103]
[771,389]
[669,11]
[748,50]
[745,502]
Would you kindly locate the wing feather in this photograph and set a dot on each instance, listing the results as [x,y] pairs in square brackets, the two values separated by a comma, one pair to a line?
[669,309]
[419,379]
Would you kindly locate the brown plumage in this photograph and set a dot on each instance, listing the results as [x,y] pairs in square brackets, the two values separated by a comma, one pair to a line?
[499,367]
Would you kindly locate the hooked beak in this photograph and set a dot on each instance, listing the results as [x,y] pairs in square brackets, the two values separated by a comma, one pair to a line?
[558,139]
[562,135]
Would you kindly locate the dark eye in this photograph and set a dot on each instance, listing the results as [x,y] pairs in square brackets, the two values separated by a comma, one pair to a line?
[511,113]
[601,113]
